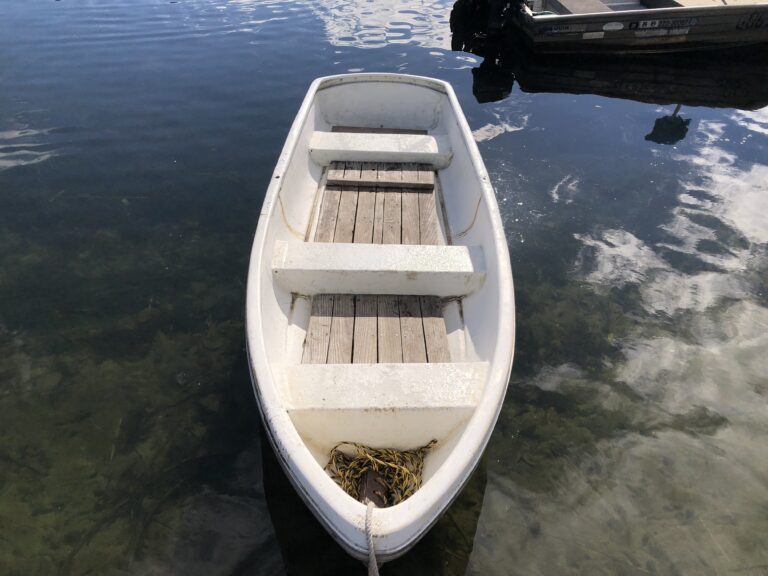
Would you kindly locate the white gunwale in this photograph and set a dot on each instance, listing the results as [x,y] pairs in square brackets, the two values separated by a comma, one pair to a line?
[396,529]
[666,12]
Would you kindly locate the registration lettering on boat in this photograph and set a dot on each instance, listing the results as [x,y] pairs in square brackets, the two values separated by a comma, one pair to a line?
[563,29]
[667,23]
[754,21]
[661,32]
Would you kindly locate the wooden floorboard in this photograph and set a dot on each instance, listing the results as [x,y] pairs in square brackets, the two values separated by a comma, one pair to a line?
[335,174]
[345,222]
[435,335]
[412,330]
[363,130]
[409,201]
[366,211]
[319,330]
[329,209]
[378,219]
[389,174]
[380,203]
[369,174]
[365,343]
[382,174]
[410,175]
[393,224]
[390,340]
[352,172]
[342,326]
[426,176]
[429,228]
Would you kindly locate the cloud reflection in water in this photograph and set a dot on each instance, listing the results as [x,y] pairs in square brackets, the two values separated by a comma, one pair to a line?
[675,492]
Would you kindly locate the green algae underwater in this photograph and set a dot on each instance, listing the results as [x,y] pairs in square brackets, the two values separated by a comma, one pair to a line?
[118,425]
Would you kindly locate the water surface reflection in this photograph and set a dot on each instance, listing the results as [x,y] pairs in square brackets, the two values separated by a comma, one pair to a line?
[135,143]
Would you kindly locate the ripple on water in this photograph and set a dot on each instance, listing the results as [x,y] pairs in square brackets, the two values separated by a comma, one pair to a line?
[136,138]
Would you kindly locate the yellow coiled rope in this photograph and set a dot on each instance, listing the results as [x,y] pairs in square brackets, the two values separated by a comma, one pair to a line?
[399,470]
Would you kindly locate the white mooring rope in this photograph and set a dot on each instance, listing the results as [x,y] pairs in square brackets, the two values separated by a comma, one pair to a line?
[373,567]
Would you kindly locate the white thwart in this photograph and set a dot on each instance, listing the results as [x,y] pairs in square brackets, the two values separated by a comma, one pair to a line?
[381,386]
[327,147]
[310,268]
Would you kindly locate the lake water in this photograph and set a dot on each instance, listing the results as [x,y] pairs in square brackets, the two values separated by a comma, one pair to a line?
[137,138]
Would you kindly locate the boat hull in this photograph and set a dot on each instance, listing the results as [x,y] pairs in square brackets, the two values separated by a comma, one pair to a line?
[317,508]
[302,417]
[647,31]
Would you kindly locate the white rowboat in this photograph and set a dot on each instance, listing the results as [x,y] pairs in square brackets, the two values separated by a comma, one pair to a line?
[380,305]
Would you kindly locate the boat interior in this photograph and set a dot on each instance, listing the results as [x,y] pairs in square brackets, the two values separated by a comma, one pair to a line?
[380,278]
[565,7]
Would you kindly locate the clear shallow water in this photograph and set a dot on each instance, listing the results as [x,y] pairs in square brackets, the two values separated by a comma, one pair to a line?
[136,141]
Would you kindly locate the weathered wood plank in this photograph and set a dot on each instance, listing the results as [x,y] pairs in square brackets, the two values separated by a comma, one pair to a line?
[410,216]
[365,350]
[429,228]
[329,210]
[363,130]
[412,330]
[342,325]
[426,176]
[389,174]
[435,335]
[366,210]
[369,174]
[378,219]
[383,174]
[345,222]
[390,340]
[319,330]
[335,173]
[352,172]
[392,217]
[410,174]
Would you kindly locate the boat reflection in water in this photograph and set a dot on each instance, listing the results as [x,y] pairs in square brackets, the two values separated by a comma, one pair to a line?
[722,79]
[307,549]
